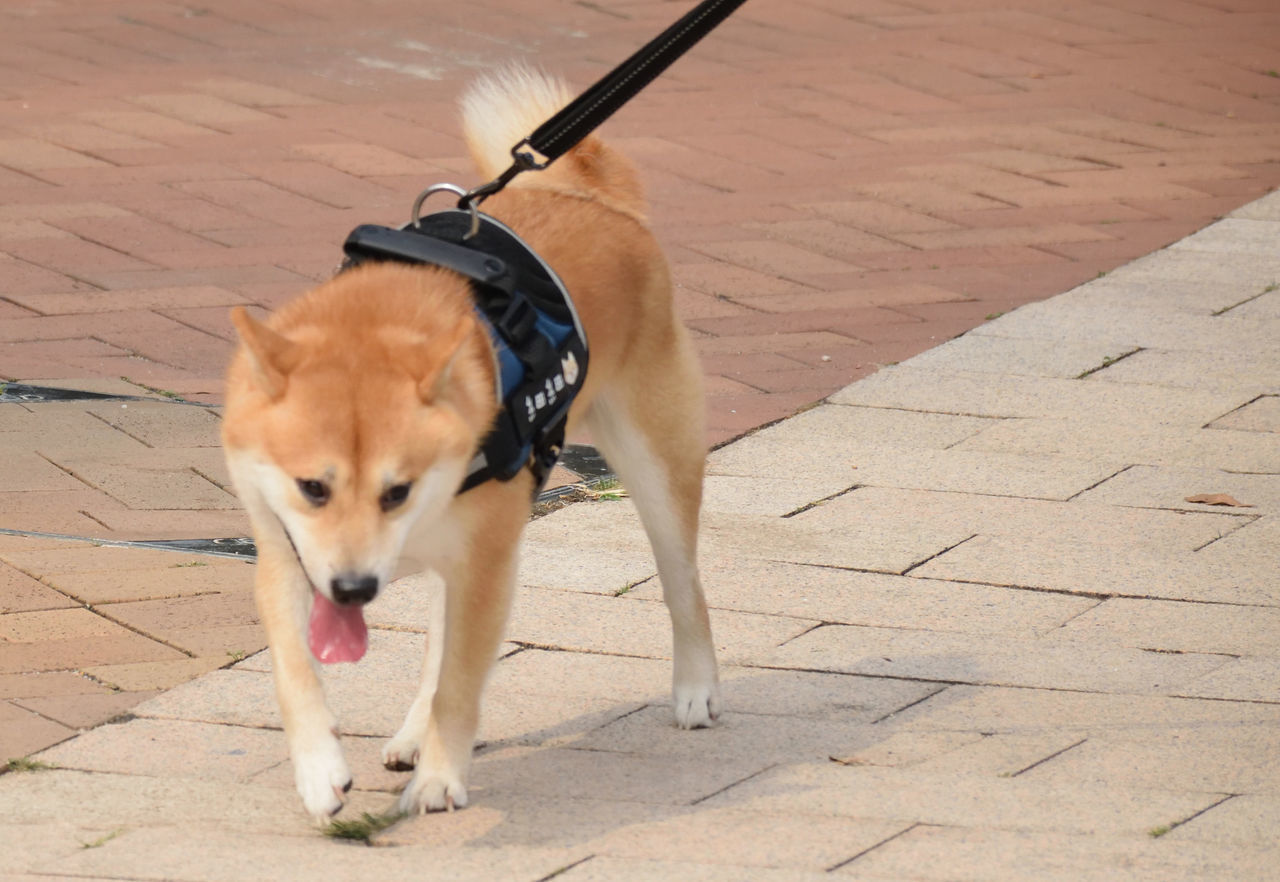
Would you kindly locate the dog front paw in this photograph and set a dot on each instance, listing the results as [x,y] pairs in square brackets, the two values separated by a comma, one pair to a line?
[323,780]
[400,754]
[433,792]
[697,706]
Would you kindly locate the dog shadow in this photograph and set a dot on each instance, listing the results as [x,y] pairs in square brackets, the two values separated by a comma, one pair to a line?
[626,772]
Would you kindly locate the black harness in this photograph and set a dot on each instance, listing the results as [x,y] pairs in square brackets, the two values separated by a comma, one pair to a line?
[538,342]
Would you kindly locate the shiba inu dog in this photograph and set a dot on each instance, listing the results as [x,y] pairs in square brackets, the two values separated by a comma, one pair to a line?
[352,414]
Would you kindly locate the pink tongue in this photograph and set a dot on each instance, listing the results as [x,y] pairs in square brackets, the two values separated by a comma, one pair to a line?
[337,633]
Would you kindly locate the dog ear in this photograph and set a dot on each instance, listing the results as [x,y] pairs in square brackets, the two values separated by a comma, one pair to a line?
[434,373]
[272,355]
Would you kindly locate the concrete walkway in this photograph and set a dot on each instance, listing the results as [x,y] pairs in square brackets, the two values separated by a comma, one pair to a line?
[973,627]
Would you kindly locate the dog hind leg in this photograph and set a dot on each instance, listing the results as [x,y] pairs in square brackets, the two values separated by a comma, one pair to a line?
[660,460]
[401,753]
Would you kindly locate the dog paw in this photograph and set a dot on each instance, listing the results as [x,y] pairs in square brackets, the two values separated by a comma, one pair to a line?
[400,754]
[697,706]
[433,792]
[323,780]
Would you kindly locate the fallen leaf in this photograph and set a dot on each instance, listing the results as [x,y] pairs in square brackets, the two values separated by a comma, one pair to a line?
[1218,499]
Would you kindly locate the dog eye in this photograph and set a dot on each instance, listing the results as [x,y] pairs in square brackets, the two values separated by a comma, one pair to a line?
[394,497]
[316,492]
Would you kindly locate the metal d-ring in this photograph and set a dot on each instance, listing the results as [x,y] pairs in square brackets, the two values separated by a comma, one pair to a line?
[464,201]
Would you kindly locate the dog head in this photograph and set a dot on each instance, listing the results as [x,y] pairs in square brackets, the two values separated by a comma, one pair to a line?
[352,414]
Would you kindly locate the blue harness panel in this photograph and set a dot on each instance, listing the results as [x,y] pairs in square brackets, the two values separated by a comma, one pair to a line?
[538,342]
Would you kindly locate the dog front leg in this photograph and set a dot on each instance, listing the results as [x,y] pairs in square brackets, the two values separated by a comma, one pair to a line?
[283,596]
[478,589]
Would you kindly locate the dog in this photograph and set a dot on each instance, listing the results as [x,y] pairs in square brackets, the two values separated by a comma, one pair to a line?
[352,414]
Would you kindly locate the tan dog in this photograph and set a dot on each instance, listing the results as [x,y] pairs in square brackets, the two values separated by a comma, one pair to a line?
[353,412]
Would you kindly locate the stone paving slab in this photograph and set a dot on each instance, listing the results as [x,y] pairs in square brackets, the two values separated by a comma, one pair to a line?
[953,658]
[1082,567]
[939,852]
[957,801]
[219,856]
[997,396]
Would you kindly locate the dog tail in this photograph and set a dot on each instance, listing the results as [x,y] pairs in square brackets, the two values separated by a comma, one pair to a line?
[501,109]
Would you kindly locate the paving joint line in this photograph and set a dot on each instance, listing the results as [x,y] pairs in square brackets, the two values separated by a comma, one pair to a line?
[809,630]
[1096,595]
[1248,521]
[130,716]
[909,705]
[1253,400]
[866,851]
[1265,702]
[69,473]
[566,868]
[953,413]
[1108,361]
[980,684]
[98,612]
[869,571]
[17,702]
[812,505]
[1054,755]
[1097,484]
[1156,650]
[186,324]
[225,489]
[1072,618]
[731,785]
[939,554]
[603,10]
[115,428]
[96,520]
[1226,309]
[1038,589]
[1176,824]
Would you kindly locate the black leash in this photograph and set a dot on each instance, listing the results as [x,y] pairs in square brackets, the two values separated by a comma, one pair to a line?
[557,135]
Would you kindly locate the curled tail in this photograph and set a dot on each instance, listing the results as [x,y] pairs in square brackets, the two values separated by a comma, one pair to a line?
[501,109]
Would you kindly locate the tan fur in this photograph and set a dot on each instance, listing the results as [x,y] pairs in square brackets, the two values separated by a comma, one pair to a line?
[382,376]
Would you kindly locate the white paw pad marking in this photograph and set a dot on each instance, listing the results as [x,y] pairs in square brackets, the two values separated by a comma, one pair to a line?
[322,778]
[428,792]
[696,707]
[400,754]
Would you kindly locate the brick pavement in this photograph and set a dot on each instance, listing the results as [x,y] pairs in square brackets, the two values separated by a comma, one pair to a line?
[841,184]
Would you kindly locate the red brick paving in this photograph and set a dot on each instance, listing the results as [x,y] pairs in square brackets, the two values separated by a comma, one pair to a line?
[840,184]
[817,149]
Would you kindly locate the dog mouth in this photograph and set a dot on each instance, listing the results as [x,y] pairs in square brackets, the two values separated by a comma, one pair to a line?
[336,632]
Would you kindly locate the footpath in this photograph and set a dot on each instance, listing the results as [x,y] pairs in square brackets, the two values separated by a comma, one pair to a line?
[1004,607]
[974,625]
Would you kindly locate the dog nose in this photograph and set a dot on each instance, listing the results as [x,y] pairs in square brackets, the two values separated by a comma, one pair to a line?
[353,590]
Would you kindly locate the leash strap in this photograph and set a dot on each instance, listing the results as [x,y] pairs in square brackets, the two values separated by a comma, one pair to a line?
[580,117]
